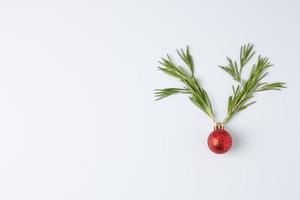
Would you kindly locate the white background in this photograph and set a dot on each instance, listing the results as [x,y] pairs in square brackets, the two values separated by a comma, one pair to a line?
[78,120]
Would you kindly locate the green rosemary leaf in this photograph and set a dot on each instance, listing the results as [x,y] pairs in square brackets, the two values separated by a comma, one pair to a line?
[163,93]
[246,106]
[271,86]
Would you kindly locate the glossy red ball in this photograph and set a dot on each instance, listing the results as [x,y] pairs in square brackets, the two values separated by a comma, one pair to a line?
[219,141]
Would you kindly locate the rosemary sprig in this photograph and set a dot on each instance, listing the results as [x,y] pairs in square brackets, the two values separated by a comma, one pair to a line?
[245,90]
[192,87]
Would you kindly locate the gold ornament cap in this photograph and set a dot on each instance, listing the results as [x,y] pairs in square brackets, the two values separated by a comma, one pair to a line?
[219,125]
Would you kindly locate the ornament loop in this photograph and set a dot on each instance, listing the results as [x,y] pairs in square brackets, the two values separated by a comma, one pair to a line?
[219,125]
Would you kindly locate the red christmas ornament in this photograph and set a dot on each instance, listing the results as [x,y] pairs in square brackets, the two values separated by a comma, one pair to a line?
[219,141]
